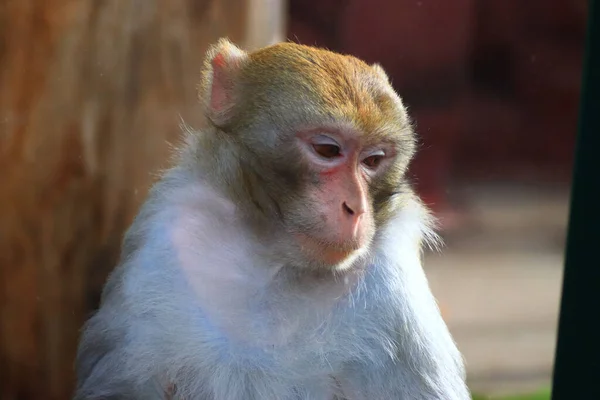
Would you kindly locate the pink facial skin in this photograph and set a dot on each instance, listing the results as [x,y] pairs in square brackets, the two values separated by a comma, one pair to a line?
[344,167]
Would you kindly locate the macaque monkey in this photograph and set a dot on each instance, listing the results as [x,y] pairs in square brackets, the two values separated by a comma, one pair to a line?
[280,258]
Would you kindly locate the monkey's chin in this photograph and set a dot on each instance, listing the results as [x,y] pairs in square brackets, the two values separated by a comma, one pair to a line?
[335,257]
[350,261]
[330,256]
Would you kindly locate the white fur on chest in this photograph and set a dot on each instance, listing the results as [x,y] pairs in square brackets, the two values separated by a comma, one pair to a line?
[244,301]
[229,323]
[224,309]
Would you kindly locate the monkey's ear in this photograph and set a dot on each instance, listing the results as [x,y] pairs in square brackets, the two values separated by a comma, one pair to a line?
[380,71]
[217,88]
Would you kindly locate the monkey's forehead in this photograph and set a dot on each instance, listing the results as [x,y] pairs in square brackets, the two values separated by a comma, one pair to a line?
[304,68]
[306,80]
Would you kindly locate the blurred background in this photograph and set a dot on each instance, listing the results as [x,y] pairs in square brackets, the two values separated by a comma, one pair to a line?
[91,92]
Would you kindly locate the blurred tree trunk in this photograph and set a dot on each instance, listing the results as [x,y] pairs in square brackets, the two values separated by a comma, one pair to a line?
[90,91]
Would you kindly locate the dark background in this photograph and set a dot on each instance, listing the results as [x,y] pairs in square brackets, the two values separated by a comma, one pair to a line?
[492,84]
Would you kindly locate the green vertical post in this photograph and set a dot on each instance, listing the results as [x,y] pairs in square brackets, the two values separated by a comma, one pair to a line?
[577,359]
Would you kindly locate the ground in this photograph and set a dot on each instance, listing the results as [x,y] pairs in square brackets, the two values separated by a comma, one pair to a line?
[498,282]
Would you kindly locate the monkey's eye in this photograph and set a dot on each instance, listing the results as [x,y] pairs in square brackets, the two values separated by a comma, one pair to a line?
[373,160]
[327,150]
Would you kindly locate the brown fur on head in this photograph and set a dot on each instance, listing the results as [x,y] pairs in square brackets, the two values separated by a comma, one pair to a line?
[271,108]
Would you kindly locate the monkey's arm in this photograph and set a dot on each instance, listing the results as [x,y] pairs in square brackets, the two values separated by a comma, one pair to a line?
[112,362]
[102,354]
[416,355]
[416,358]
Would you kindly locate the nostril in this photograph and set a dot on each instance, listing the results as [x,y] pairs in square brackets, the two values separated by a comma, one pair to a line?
[347,209]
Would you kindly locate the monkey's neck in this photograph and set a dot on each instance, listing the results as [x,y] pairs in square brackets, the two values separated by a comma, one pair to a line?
[217,254]
[220,162]
[257,303]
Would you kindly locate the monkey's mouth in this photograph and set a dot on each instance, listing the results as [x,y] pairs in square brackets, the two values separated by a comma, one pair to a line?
[330,253]
[334,257]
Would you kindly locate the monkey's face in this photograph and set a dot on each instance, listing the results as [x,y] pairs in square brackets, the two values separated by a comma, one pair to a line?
[338,145]
[325,139]
[333,220]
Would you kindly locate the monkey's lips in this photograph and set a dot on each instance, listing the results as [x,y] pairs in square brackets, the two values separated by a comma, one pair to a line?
[334,257]
[328,252]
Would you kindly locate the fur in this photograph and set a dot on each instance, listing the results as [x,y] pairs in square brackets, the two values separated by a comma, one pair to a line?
[216,299]
[193,305]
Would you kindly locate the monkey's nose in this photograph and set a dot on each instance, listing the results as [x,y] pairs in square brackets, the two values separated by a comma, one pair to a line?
[347,209]
[352,211]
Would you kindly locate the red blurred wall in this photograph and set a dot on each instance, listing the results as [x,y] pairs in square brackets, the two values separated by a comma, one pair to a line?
[492,84]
